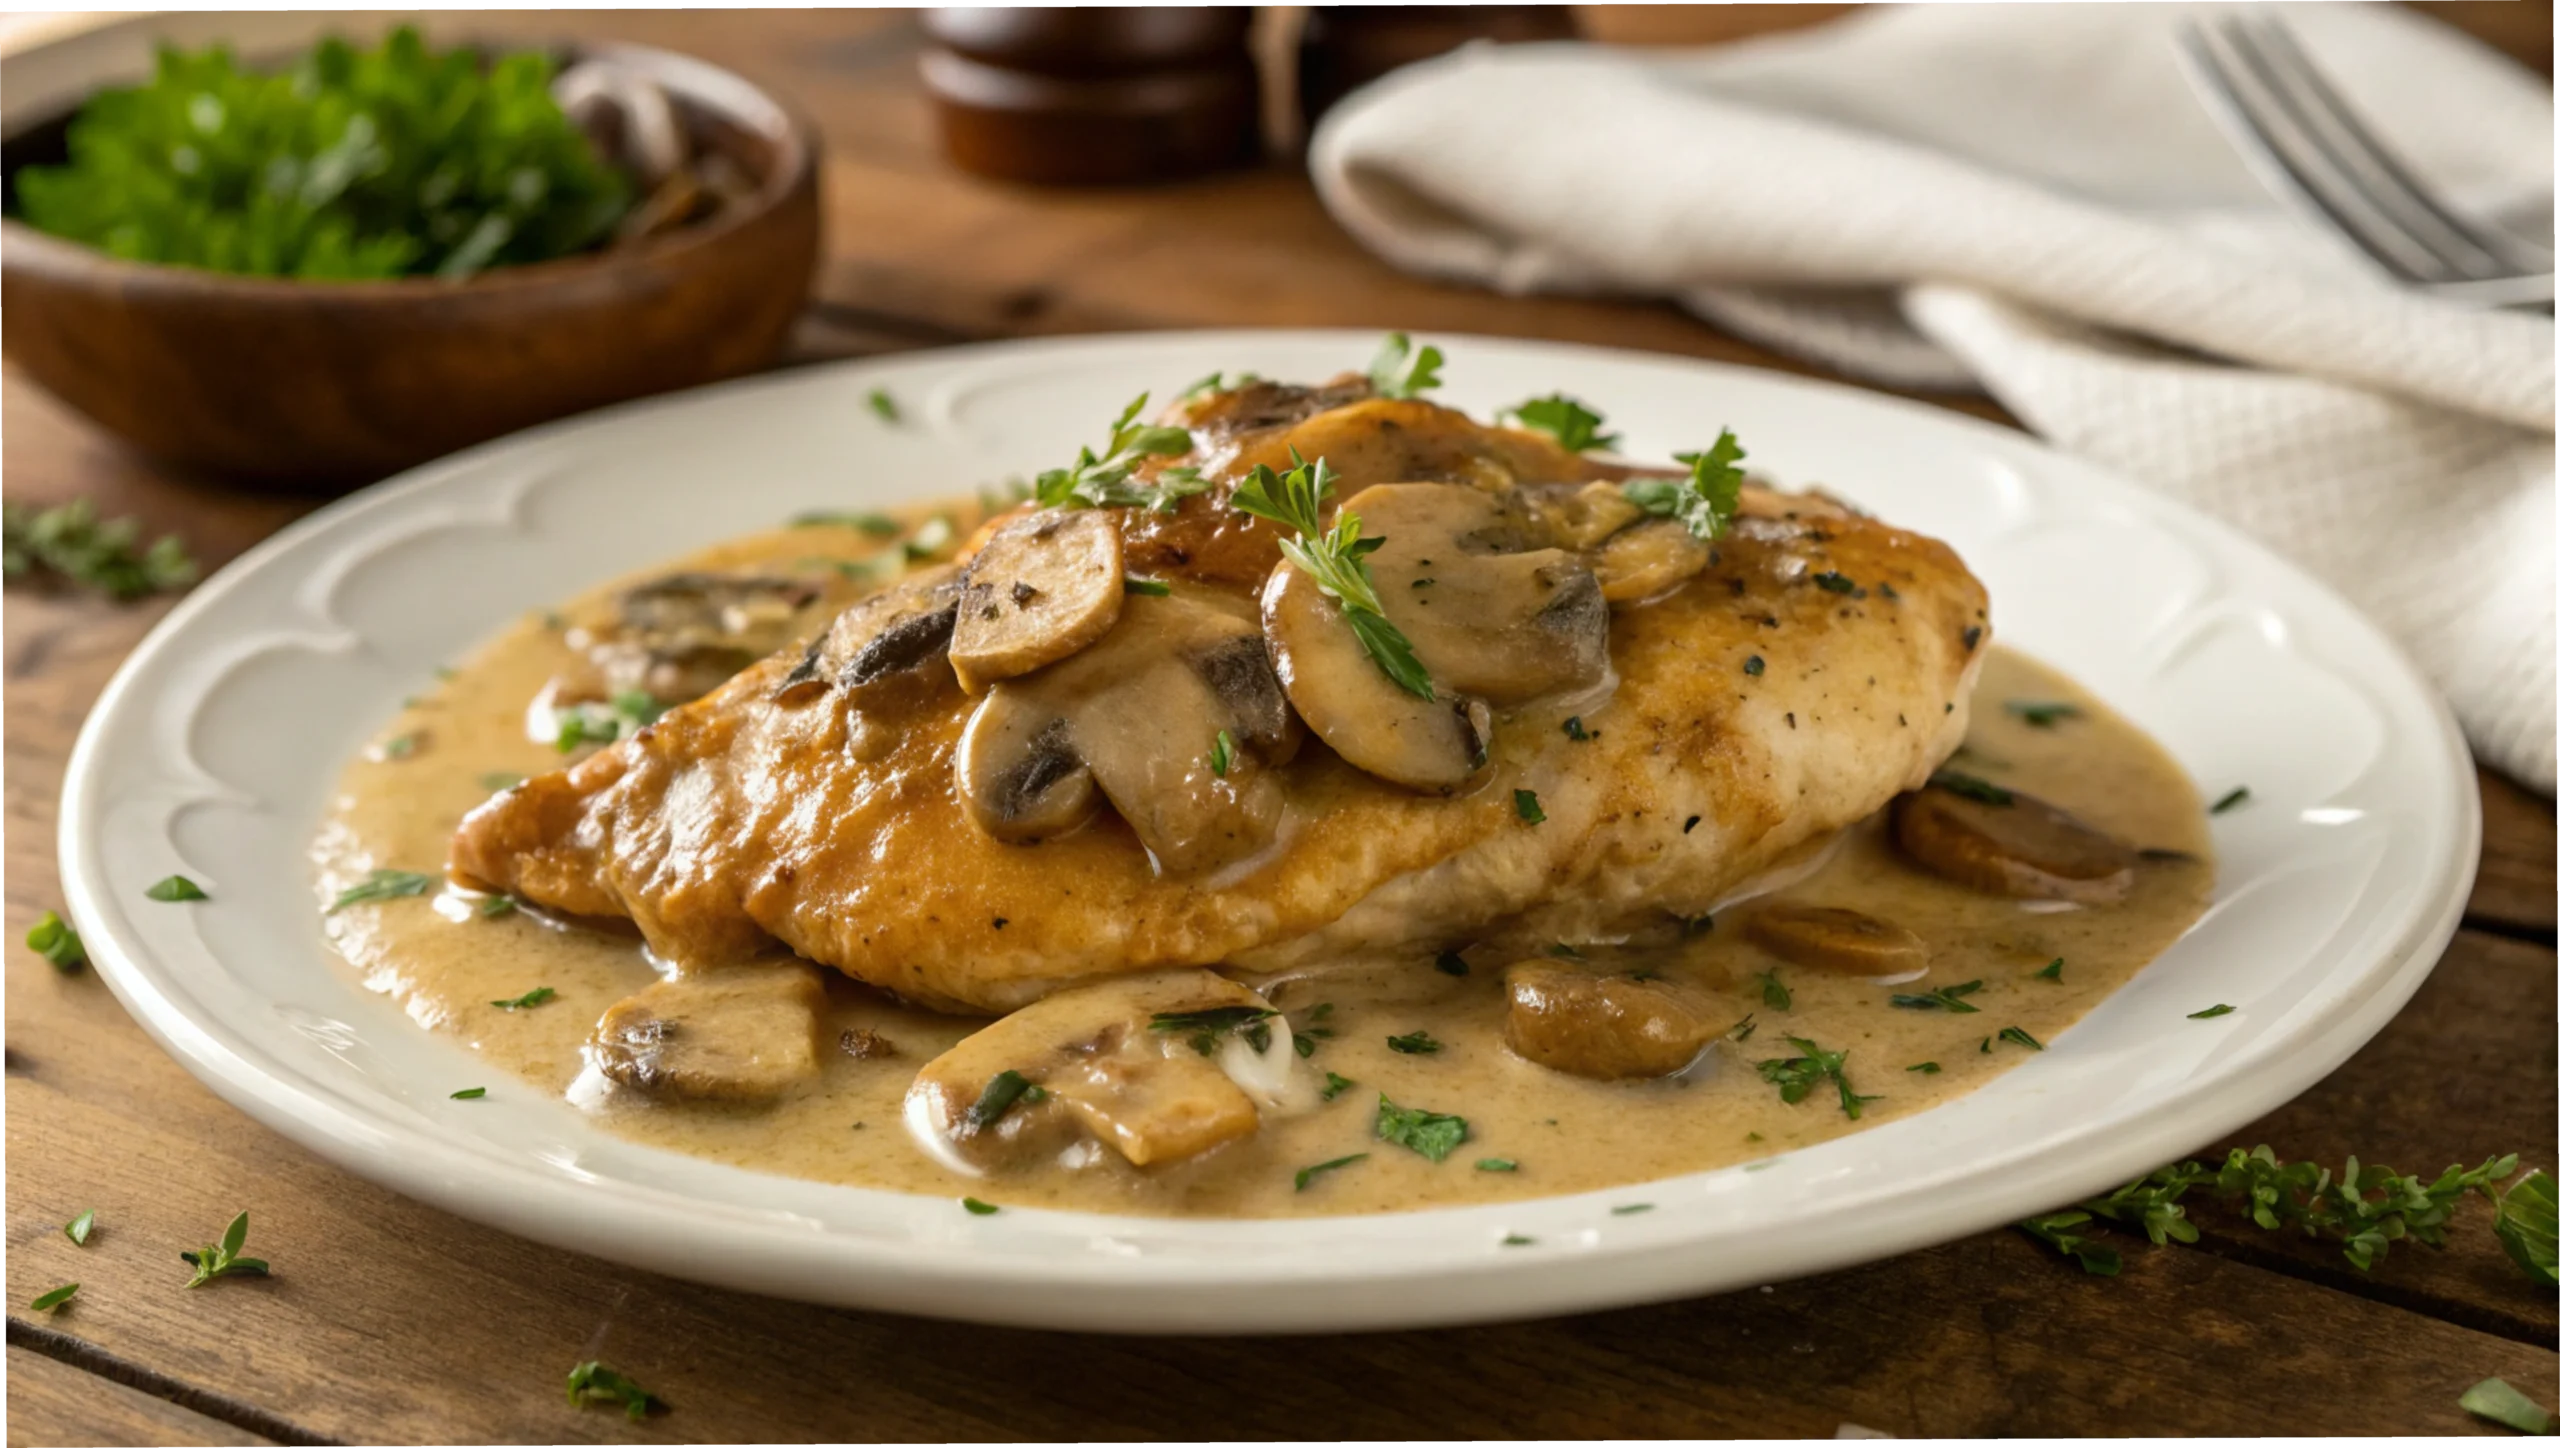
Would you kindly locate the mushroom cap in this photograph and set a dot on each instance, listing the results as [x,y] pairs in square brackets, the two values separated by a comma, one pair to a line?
[1491,610]
[2024,848]
[1044,586]
[1137,716]
[747,1033]
[1830,937]
[1607,1027]
[1438,744]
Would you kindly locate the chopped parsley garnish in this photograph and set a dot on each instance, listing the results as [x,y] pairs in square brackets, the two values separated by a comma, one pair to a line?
[1575,427]
[1925,1068]
[883,404]
[1003,1092]
[1335,559]
[176,888]
[1525,803]
[1972,787]
[1796,1076]
[1206,1026]
[2018,1037]
[2231,801]
[1307,1174]
[1706,501]
[627,714]
[1496,1163]
[1773,991]
[1427,1132]
[2209,1012]
[1222,752]
[1449,962]
[1400,370]
[500,779]
[1949,998]
[977,1208]
[380,885]
[493,906]
[1833,581]
[56,941]
[1574,731]
[1755,666]
[2494,1399]
[529,999]
[71,543]
[1335,1085]
[2051,972]
[1151,587]
[78,1228]
[2041,715]
[469,1093]
[1303,1039]
[592,1383]
[1630,1209]
[223,1258]
[1418,1043]
[58,1296]
[398,746]
[1105,481]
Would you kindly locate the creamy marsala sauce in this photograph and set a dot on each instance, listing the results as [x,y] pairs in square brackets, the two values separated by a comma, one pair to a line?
[446,963]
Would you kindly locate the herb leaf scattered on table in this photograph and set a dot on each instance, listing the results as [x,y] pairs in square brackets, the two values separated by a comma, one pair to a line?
[70,542]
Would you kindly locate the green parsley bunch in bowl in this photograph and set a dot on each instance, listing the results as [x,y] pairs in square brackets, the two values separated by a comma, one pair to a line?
[330,267]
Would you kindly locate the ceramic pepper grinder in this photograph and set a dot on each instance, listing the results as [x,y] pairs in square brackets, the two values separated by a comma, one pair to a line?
[1344,47]
[1092,95]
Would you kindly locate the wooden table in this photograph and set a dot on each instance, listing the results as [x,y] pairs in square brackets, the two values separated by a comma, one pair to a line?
[388,1321]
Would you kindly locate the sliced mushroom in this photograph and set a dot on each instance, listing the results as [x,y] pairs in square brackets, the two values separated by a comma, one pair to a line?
[1827,937]
[679,637]
[1608,1027]
[1490,610]
[1649,560]
[1138,717]
[1117,1061]
[888,653]
[1590,515]
[744,1034]
[1431,744]
[1045,585]
[2012,844]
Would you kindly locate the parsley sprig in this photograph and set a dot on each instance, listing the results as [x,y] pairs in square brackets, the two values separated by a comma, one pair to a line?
[1336,558]
[1105,481]
[1575,427]
[1707,499]
[1403,370]
[1428,1132]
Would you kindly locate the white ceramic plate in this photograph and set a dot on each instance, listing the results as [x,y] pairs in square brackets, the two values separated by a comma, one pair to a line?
[214,749]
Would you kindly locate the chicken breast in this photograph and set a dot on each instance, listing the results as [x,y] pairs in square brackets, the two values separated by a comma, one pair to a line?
[1155,801]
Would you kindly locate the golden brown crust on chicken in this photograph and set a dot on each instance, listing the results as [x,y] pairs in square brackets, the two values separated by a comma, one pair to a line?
[741,819]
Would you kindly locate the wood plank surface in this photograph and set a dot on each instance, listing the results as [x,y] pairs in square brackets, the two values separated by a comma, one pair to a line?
[387,1321]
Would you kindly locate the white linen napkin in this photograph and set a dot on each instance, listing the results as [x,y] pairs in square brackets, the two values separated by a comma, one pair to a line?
[2028,199]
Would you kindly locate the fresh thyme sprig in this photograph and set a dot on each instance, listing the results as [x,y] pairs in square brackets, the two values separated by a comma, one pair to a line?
[1336,558]
[72,542]
[223,1259]
[1706,501]
[1105,481]
[2364,1209]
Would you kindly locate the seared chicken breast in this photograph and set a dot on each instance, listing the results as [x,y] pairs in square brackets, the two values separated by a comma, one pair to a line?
[994,780]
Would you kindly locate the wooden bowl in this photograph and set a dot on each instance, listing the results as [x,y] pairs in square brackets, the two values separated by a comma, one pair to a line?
[327,384]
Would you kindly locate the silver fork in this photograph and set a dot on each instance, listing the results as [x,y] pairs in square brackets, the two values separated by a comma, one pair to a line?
[2308,145]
